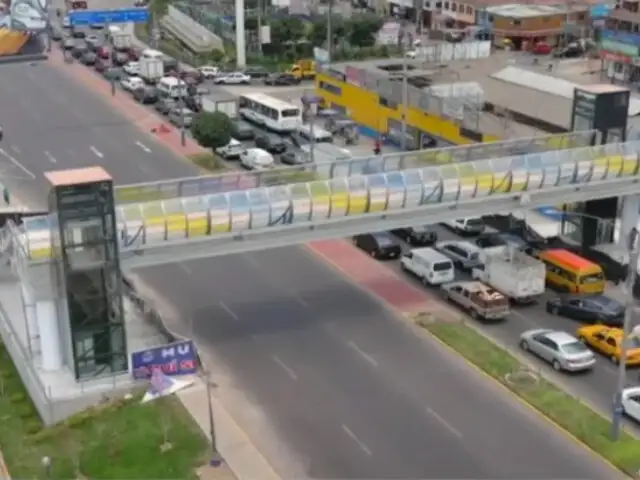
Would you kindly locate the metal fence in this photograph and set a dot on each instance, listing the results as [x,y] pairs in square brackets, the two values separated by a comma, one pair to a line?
[212,184]
[437,56]
[179,219]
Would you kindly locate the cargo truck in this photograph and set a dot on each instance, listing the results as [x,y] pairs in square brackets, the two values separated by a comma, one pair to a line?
[512,272]
[303,70]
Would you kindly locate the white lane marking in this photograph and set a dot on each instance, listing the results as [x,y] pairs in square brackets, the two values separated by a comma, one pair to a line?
[359,442]
[444,423]
[96,152]
[362,353]
[51,158]
[15,149]
[18,164]
[143,147]
[285,367]
[230,312]
[185,268]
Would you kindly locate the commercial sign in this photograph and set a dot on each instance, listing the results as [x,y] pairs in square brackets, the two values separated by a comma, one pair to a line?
[618,47]
[621,37]
[614,57]
[177,358]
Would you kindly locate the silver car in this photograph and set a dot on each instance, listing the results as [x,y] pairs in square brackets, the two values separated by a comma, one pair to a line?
[464,255]
[563,351]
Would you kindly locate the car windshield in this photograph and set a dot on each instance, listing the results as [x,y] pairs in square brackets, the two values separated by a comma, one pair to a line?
[290,112]
[442,266]
[475,222]
[574,347]
[605,302]
[384,240]
[421,229]
[593,278]
[473,256]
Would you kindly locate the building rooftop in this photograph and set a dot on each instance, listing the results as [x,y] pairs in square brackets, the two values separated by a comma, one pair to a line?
[517,10]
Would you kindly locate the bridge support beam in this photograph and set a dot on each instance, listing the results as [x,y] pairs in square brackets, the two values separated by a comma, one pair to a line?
[628,217]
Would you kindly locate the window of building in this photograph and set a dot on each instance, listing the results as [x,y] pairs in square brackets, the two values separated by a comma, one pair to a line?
[454,7]
[330,88]
[491,18]
[516,22]
[581,16]
[469,10]
[438,5]
[427,5]
[446,5]
[388,103]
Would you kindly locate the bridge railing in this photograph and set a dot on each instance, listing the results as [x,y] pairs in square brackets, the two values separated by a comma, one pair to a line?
[212,184]
[152,223]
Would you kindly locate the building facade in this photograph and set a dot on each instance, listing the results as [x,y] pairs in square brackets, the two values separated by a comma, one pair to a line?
[620,54]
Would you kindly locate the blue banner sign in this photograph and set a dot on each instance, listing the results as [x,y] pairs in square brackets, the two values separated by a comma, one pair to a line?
[177,358]
[78,18]
[601,10]
[621,37]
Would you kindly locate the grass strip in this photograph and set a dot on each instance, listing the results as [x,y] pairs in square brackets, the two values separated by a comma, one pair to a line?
[118,439]
[578,419]
[208,161]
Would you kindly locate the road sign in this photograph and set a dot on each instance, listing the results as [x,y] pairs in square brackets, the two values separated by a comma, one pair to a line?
[94,17]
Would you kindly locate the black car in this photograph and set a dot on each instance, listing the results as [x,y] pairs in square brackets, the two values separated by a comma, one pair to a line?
[77,33]
[120,59]
[146,95]
[271,142]
[293,158]
[193,103]
[89,58]
[598,309]
[242,131]
[68,44]
[165,105]
[420,236]
[281,79]
[379,245]
[79,51]
[256,72]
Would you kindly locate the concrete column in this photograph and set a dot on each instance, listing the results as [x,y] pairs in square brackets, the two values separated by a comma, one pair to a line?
[241,48]
[49,335]
[628,217]
[30,313]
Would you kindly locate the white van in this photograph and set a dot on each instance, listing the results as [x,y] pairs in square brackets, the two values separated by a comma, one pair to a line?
[152,54]
[315,134]
[172,87]
[256,159]
[429,265]
[232,150]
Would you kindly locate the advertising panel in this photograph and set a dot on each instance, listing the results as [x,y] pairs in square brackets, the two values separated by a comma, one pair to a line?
[177,358]
[618,47]
[21,22]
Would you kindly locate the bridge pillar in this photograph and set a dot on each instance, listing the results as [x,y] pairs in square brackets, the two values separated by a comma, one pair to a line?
[87,274]
[29,302]
[605,109]
[628,216]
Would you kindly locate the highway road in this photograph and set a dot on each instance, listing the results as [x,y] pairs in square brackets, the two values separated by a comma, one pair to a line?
[596,387]
[350,389]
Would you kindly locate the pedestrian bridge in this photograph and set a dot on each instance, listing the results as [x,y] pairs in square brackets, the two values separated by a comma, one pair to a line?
[198,226]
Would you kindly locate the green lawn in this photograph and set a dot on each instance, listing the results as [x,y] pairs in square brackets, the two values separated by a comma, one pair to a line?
[577,418]
[118,440]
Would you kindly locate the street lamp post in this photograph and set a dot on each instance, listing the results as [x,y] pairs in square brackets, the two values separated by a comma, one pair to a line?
[617,409]
[216,459]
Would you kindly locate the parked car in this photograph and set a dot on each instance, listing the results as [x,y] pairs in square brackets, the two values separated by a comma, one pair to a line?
[79,50]
[165,104]
[93,41]
[464,255]
[89,58]
[100,65]
[631,403]
[132,68]
[232,150]
[103,52]
[256,159]
[181,117]
[419,236]
[193,103]
[572,50]
[233,78]
[242,130]
[120,59]
[130,84]
[78,32]
[271,142]
[468,226]
[209,72]
[479,300]
[281,79]
[56,35]
[146,95]
[562,350]
[608,342]
[542,48]
[429,265]
[489,240]
[68,43]
[598,309]
[293,158]
[380,245]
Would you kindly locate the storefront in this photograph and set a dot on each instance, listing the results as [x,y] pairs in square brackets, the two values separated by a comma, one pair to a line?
[621,57]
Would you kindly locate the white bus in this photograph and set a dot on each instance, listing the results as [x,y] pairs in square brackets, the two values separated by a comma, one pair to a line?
[272,113]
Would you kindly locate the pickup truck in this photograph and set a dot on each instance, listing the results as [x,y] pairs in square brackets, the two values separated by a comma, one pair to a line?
[479,300]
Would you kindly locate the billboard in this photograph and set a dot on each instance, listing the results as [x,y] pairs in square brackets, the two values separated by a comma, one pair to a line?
[21,22]
[177,358]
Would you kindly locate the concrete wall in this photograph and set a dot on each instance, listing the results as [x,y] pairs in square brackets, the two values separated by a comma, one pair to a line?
[190,32]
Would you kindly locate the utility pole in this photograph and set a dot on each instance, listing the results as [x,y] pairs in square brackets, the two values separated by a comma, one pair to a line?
[260,27]
[632,247]
[329,33]
[405,89]
[241,48]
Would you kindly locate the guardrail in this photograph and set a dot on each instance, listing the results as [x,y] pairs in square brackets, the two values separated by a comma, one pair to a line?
[193,219]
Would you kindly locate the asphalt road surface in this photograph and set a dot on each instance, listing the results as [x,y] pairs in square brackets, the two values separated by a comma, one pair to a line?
[351,390]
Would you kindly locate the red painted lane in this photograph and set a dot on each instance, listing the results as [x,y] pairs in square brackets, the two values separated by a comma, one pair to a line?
[349,260]
[140,116]
[371,275]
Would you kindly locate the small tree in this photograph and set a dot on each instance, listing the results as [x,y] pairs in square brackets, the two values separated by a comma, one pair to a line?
[212,129]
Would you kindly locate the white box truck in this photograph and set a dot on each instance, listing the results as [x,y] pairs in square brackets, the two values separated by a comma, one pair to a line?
[512,272]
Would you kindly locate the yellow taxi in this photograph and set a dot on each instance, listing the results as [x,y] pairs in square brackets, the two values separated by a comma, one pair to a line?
[608,341]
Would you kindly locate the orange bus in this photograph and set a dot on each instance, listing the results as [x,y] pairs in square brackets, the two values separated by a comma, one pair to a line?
[569,272]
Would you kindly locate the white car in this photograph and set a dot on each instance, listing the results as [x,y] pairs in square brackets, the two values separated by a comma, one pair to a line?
[132,83]
[256,159]
[469,226]
[631,402]
[563,351]
[132,68]
[209,72]
[233,78]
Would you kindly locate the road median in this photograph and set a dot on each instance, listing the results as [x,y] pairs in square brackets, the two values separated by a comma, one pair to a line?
[569,413]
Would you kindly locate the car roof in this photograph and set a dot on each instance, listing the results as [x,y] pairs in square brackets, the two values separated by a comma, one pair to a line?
[560,338]
[601,300]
